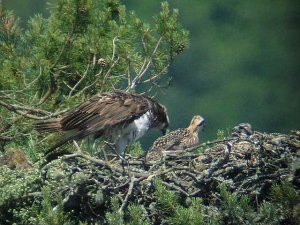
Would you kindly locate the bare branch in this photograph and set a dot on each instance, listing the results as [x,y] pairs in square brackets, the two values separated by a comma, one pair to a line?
[114,61]
[114,48]
[28,111]
[109,70]
[144,68]
[129,193]
[81,79]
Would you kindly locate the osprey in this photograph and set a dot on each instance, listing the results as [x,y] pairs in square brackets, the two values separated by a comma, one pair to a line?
[179,139]
[120,118]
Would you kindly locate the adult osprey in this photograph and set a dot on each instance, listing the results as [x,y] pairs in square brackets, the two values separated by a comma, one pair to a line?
[121,118]
[179,139]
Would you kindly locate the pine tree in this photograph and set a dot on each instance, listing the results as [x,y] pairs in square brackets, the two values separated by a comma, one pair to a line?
[82,48]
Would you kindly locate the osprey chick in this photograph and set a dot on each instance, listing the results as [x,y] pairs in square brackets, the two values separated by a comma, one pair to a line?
[179,139]
[121,118]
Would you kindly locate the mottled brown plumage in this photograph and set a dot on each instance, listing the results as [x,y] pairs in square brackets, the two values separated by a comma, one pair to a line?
[179,139]
[119,117]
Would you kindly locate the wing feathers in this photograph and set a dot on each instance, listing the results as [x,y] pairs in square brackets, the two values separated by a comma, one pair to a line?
[51,125]
[105,110]
[102,112]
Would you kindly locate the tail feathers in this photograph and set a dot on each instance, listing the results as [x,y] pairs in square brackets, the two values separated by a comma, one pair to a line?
[69,136]
[60,143]
[51,125]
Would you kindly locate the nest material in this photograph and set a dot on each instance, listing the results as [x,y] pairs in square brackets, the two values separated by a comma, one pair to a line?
[245,164]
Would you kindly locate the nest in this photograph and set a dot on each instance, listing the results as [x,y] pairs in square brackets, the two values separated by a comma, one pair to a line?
[246,163]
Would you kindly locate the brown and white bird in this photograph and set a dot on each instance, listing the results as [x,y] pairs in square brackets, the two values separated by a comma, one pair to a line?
[120,118]
[179,139]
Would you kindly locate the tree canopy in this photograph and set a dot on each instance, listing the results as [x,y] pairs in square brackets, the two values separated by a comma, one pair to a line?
[90,46]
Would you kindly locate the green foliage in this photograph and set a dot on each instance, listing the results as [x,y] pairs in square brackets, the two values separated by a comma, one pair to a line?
[82,48]
[191,215]
[13,184]
[136,215]
[114,217]
[136,150]
[43,211]
[31,148]
[235,208]
[269,213]
[220,134]
[285,198]
[14,187]
[168,203]
[238,209]
[285,194]
[166,200]
[17,205]
[49,214]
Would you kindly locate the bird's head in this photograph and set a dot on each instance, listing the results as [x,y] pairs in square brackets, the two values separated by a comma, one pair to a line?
[196,124]
[161,120]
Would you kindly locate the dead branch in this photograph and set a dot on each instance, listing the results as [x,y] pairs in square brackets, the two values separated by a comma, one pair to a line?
[248,169]
[80,80]
[27,112]
[129,193]
[144,67]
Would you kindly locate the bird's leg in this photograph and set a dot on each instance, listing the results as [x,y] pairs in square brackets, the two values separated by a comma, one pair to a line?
[112,147]
[124,161]
[93,146]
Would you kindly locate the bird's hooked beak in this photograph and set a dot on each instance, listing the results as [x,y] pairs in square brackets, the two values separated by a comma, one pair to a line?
[202,124]
[164,131]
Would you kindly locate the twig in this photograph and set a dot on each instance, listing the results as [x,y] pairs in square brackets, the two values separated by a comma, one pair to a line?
[51,89]
[121,185]
[210,143]
[114,48]
[109,70]
[78,149]
[172,186]
[15,110]
[157,75]
[129,193]
[129,80]
[81,79]
[20,110]
[101,162]
[144,68]
[6,138]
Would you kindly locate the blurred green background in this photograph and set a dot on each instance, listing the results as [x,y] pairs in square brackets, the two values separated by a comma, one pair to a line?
[242,64]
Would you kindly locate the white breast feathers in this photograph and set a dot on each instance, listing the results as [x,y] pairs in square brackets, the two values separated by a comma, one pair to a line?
[132,132]
[141,126]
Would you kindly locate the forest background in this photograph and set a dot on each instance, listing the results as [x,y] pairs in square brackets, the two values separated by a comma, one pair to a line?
[242,63]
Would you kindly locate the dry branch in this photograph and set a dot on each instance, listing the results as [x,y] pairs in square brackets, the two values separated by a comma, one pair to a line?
[253,164]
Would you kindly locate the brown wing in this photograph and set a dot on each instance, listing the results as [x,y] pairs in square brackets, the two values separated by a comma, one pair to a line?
[104,111]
